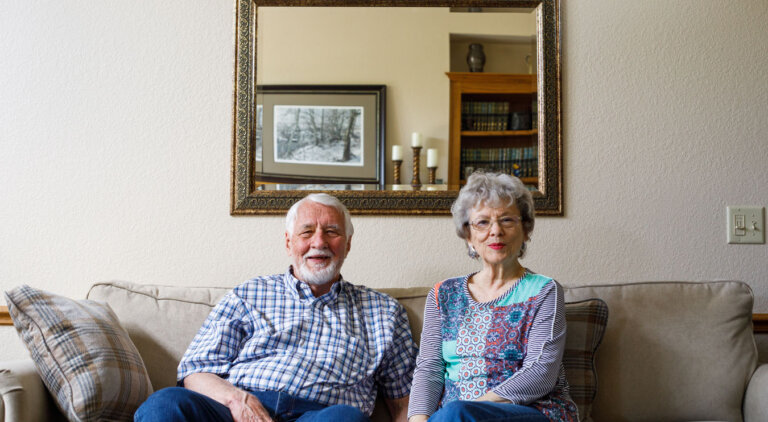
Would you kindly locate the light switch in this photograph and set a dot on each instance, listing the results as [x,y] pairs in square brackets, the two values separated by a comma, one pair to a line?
[746,224]
[740,229]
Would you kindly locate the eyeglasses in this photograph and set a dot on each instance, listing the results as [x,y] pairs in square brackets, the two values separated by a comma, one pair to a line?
[484,224]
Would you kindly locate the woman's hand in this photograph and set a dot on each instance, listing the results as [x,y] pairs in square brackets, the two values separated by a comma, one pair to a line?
[493,397]
[247,408]
[418,418]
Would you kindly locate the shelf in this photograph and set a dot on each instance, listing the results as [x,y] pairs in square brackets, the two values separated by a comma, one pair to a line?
[494,83]
[480,100]
[499,132]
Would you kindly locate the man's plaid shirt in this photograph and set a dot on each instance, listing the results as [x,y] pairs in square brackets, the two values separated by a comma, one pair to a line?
[270,333]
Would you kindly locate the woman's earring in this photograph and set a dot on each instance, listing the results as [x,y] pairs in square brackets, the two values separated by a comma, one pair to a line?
[472,252]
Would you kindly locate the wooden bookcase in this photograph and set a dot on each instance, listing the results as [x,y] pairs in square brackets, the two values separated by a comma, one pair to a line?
[493,125]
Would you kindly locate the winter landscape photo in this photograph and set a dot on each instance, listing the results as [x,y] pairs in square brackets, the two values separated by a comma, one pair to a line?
[324,135]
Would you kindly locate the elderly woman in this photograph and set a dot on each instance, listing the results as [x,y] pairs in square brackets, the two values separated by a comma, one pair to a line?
[493,341]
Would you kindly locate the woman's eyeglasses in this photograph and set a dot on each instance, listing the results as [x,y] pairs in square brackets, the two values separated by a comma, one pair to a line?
[484,224]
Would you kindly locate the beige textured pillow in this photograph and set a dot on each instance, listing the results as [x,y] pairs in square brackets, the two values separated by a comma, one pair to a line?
[586,325]
[85,358]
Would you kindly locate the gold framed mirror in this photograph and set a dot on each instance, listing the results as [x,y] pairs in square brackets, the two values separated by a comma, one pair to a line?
[254,193]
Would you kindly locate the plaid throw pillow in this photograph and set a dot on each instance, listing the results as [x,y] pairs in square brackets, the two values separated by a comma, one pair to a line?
[85,358]
[586,322]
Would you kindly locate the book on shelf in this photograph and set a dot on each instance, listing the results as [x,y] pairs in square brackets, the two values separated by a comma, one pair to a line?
[517,161]
[486,116]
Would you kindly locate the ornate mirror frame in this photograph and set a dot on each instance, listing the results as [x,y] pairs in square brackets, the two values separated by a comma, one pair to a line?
[247,200]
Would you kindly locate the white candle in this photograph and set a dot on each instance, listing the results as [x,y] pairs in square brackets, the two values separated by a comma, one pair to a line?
[416,139]
[432,157]
[397,152]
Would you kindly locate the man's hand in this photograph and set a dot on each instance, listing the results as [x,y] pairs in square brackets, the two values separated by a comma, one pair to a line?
[244,407]
[247,408]
[418,418]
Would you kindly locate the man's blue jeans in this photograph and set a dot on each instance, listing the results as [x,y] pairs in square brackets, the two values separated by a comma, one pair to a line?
[485,411]
[180,404]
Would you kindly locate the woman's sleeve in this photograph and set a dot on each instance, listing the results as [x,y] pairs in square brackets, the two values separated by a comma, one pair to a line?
[546,342]
[429,375]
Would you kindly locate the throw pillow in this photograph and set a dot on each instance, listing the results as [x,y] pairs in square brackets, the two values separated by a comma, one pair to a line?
[85,358]
[586,321]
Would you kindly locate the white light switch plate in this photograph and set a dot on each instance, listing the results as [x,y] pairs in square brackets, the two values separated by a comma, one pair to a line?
[746,224]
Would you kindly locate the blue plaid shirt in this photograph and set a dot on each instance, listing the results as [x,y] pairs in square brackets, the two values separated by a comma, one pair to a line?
[271,333]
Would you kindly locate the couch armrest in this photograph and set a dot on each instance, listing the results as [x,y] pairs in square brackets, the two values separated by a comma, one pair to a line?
[23,396]
[755,405]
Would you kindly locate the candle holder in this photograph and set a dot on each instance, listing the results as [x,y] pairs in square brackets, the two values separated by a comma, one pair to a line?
[396,170]
[432,173]
[416,181]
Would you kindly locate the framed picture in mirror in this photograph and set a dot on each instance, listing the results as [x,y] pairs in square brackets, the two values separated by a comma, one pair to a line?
[320,134]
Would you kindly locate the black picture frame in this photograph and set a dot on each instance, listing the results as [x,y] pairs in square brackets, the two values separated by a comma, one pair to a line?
[320,134]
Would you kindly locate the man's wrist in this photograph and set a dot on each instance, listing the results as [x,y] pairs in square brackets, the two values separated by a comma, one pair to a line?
[235,395]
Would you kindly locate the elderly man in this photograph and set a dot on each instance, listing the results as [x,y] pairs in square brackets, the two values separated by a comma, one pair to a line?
[304,345]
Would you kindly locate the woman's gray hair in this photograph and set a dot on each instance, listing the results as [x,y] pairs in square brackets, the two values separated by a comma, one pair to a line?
[496,190]
[325,199]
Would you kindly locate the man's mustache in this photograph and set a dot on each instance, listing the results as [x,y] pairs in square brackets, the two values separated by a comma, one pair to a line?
[317,253]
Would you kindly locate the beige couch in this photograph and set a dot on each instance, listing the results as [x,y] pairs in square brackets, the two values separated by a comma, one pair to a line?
[673,351]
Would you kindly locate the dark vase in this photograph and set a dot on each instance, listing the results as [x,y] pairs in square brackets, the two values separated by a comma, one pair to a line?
[476,58]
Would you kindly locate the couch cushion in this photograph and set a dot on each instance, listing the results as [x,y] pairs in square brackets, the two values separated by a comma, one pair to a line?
[413,300]
[586,321]
[161,320]
[84,357]
[673,350]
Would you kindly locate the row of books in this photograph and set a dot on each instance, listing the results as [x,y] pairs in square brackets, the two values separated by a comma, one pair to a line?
[484,115]
[493,116]
[520,161]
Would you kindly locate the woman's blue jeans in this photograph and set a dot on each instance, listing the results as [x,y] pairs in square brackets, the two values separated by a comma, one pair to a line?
[180,404]
[485,411]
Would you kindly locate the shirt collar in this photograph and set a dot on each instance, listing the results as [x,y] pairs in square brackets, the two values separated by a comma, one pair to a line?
[302,292]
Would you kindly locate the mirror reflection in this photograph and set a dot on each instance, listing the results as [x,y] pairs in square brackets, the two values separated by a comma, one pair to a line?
[460,84]
[378,104]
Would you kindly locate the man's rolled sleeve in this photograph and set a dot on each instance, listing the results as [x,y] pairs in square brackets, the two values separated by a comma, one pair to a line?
[218,341]
[396,370]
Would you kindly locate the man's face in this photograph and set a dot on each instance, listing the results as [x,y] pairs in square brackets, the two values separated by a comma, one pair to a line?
[318,244]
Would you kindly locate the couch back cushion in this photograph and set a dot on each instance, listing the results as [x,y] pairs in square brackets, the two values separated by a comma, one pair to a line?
[161,320]
[673,350]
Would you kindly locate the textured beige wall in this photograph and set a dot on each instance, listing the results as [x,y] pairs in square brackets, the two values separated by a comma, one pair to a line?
[115,138]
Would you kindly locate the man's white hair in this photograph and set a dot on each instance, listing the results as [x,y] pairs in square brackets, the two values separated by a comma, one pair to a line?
[325,199]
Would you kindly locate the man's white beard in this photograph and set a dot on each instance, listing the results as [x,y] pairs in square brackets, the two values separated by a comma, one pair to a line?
[317,276]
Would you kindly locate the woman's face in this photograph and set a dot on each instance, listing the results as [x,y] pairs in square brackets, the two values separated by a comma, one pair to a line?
[496,233]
